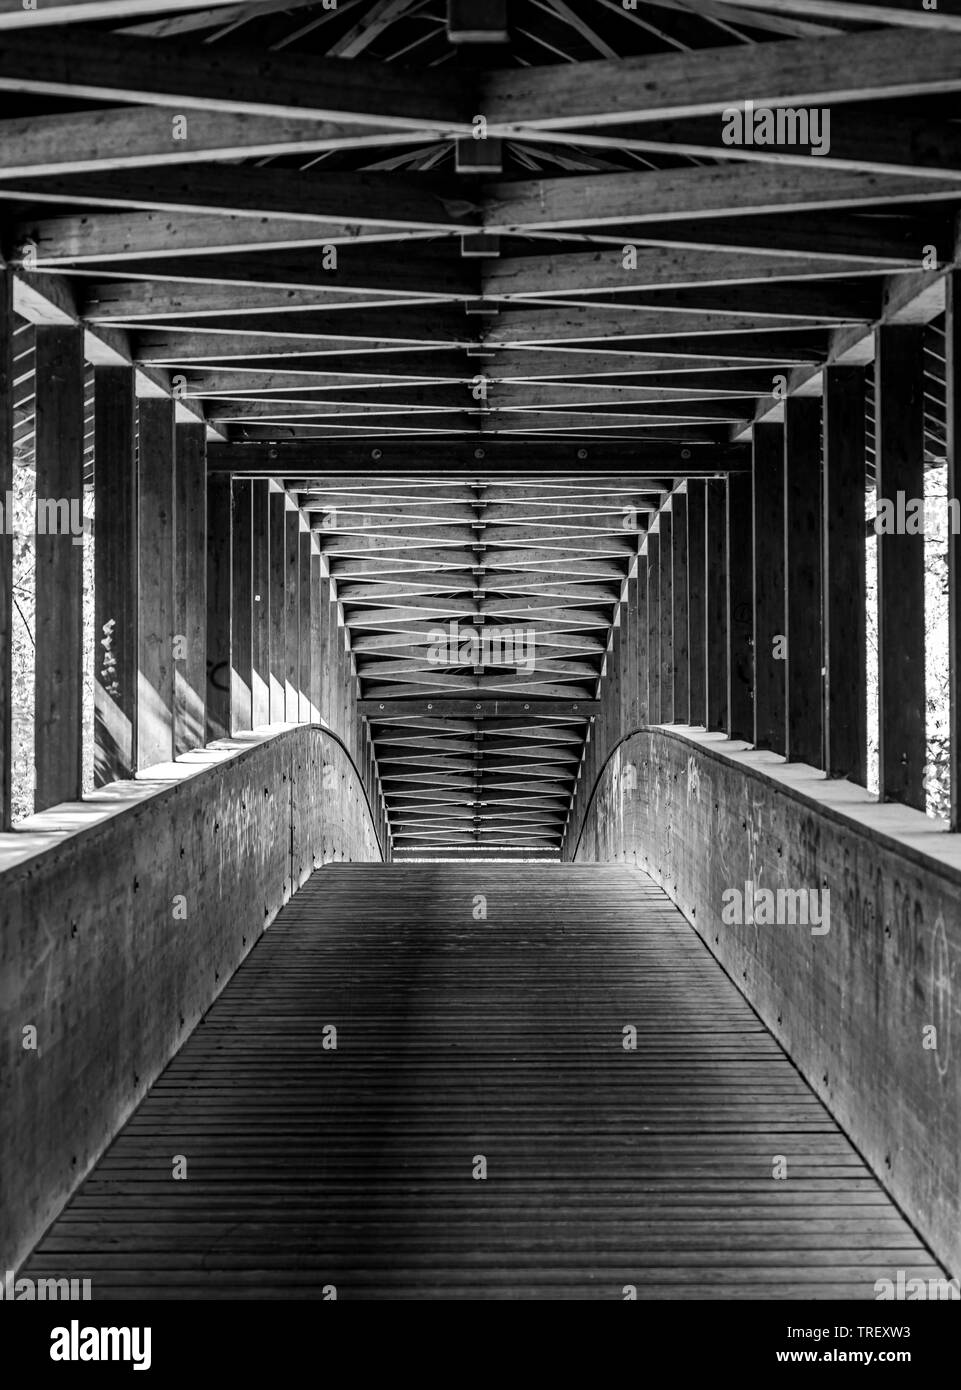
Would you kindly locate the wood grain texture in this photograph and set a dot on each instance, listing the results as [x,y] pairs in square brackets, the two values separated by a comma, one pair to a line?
[501,1037]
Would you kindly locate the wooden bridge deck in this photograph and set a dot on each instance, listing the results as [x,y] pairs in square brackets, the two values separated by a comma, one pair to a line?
[459,1037]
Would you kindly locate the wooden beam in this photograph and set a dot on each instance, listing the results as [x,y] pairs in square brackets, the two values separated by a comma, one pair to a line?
[142,137]
[770,655]
[305,596]
[7,420]
[845,642]
[116,575]
[807,72]
[156,455]
[218,606]
[740,607]
[952,381]
[899,455]
[190,588]
[691,195]
[375,199]
[59,411]
[477,21]
[115,68]
[652,559]
[278,608]
[292,615]
[716,562]
[697,600]
[681,617]
[942,15]
[15,15]
[260,637]
[241,606]
[803,582]
[453,457]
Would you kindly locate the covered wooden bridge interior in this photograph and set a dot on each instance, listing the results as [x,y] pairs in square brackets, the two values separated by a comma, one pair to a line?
[474,406]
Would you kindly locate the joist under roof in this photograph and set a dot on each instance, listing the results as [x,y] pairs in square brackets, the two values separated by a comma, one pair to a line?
[472,347]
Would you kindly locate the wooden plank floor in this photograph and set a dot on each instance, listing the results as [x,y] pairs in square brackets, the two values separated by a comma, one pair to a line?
[458,1037]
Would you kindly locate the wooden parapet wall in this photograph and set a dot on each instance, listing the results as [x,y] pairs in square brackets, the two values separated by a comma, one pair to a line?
[124,917]
[854,1006]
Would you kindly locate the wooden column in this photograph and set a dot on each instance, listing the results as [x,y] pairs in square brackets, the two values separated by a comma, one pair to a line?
[716,618]
[218,605]
[7,324]
[325,647]
[260,635]
[643,696]
[190,588]
[899,445]
[155,717]
[306,625]
[292,614]
[278,626]
[952,375]
[631,674]
[116,575]
[682,673]
[845,604]
[740,606]
[241,607]
[802,564]
[666,582]
[654,627]
[59,555]
[316,632]
[770,652]
[697,599]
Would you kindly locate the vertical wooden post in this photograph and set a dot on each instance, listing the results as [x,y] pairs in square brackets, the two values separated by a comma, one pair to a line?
[643,660]
[59,556]
[155,715]
[306,623]
[631,673]
[899,445]
[654,627]
[7,328]
[316,631]
[952,375]
[278,626]
[716,580]
[241,607]
[770,653]
[116,575]
[802,566]
[292,614]
[845,641]
[666,587]
[190,588]
[697,599]
[219,525]
[740,606]
[260,656]
[682,672]
[325,645]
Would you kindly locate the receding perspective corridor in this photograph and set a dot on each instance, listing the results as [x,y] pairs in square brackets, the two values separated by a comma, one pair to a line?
[480,676]
[539,1084]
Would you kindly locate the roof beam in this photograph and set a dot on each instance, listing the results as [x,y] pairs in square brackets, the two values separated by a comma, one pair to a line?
[140,137]
[118,68]
[811,72]
[906,12]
